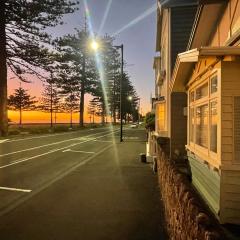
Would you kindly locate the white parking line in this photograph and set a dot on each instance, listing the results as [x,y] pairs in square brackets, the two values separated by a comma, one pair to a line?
[15,189]
[46,153]
[75,151]
[4,140]
[47,135]
[50,144]
[49,183]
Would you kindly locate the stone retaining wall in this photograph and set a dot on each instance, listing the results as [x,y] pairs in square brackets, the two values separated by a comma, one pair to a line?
[187,215]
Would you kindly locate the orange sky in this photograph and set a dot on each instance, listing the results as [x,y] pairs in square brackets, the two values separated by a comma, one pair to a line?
[35,89]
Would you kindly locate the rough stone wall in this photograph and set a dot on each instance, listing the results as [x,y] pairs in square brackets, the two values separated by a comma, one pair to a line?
[187,215]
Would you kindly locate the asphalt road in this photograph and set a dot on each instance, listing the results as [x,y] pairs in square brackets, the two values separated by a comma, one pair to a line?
[78,185]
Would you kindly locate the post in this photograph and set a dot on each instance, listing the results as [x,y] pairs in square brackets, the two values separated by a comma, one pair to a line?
[138,110]
[121,106]
[51,103]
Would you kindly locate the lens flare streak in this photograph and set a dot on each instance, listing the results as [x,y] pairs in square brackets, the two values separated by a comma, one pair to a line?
[105,16]
[101,74]
[148,12]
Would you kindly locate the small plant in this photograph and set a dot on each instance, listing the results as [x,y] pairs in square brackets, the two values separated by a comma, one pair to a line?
[150,121]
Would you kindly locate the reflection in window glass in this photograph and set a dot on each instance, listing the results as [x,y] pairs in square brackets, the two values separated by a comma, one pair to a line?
[214,84]
[202,125]
[213,126]
[191,124]
[202,91]
[192,96]
[161,116]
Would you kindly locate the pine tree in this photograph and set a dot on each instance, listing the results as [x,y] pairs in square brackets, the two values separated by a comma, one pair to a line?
[23,40]
[50,102]
[71,105]
[21,101]
[92,110]
[77,66]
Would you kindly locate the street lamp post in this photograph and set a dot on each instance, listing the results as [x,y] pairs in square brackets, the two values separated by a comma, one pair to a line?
[95,46]
[121,82]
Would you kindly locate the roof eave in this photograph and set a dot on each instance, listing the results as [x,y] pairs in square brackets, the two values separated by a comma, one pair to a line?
[185,63]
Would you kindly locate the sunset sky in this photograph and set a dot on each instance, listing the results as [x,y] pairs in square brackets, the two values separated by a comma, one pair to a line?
[133,23]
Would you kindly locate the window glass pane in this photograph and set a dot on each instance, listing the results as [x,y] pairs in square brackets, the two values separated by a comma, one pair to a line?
[161,117]
[191,122]
[214,84]
[202,125]
[213,126]
[192,96]
[202,91]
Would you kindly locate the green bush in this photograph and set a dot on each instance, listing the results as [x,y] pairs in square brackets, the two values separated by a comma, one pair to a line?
[150,121]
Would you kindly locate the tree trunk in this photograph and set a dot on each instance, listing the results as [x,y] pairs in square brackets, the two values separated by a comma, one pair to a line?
[51,105]
[71,119]
[20,117]
[82,93]
[3,73]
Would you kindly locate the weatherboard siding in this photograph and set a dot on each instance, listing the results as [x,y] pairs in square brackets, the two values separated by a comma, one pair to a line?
[206,181]
[230,199]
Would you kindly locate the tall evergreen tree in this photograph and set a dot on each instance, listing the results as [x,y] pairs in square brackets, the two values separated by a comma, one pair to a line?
[21,101]
[77,66]
[23,40]
[50,101]
[71,105]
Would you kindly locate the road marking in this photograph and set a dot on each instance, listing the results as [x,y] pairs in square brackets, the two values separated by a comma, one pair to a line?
[75,151]
[15,189]
[48,135]
[49,183]
[47,145]
[5,140]
[133,138]
[46,153]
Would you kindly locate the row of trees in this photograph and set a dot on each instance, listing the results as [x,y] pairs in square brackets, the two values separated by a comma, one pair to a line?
[66,65]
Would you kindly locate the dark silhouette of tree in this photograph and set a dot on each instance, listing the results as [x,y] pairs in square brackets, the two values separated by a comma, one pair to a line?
[21,101]
[92,110]
[77,66]
[23,40]
[50,101]
[71,105]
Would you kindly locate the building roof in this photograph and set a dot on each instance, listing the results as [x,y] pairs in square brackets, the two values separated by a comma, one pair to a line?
[176,3]
[186,61]
[205,22]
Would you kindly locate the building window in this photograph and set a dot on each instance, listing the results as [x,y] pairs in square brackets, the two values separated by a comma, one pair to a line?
[202,91]
[192,96]
[161,116]
[214,84]
[213,126]
[203,116]
[202,125]
[191,123]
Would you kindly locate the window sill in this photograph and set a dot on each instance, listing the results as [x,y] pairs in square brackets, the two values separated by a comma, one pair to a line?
[213,162]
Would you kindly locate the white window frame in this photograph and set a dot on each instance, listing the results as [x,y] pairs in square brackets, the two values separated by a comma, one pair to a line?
[204,152]
[157,116]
